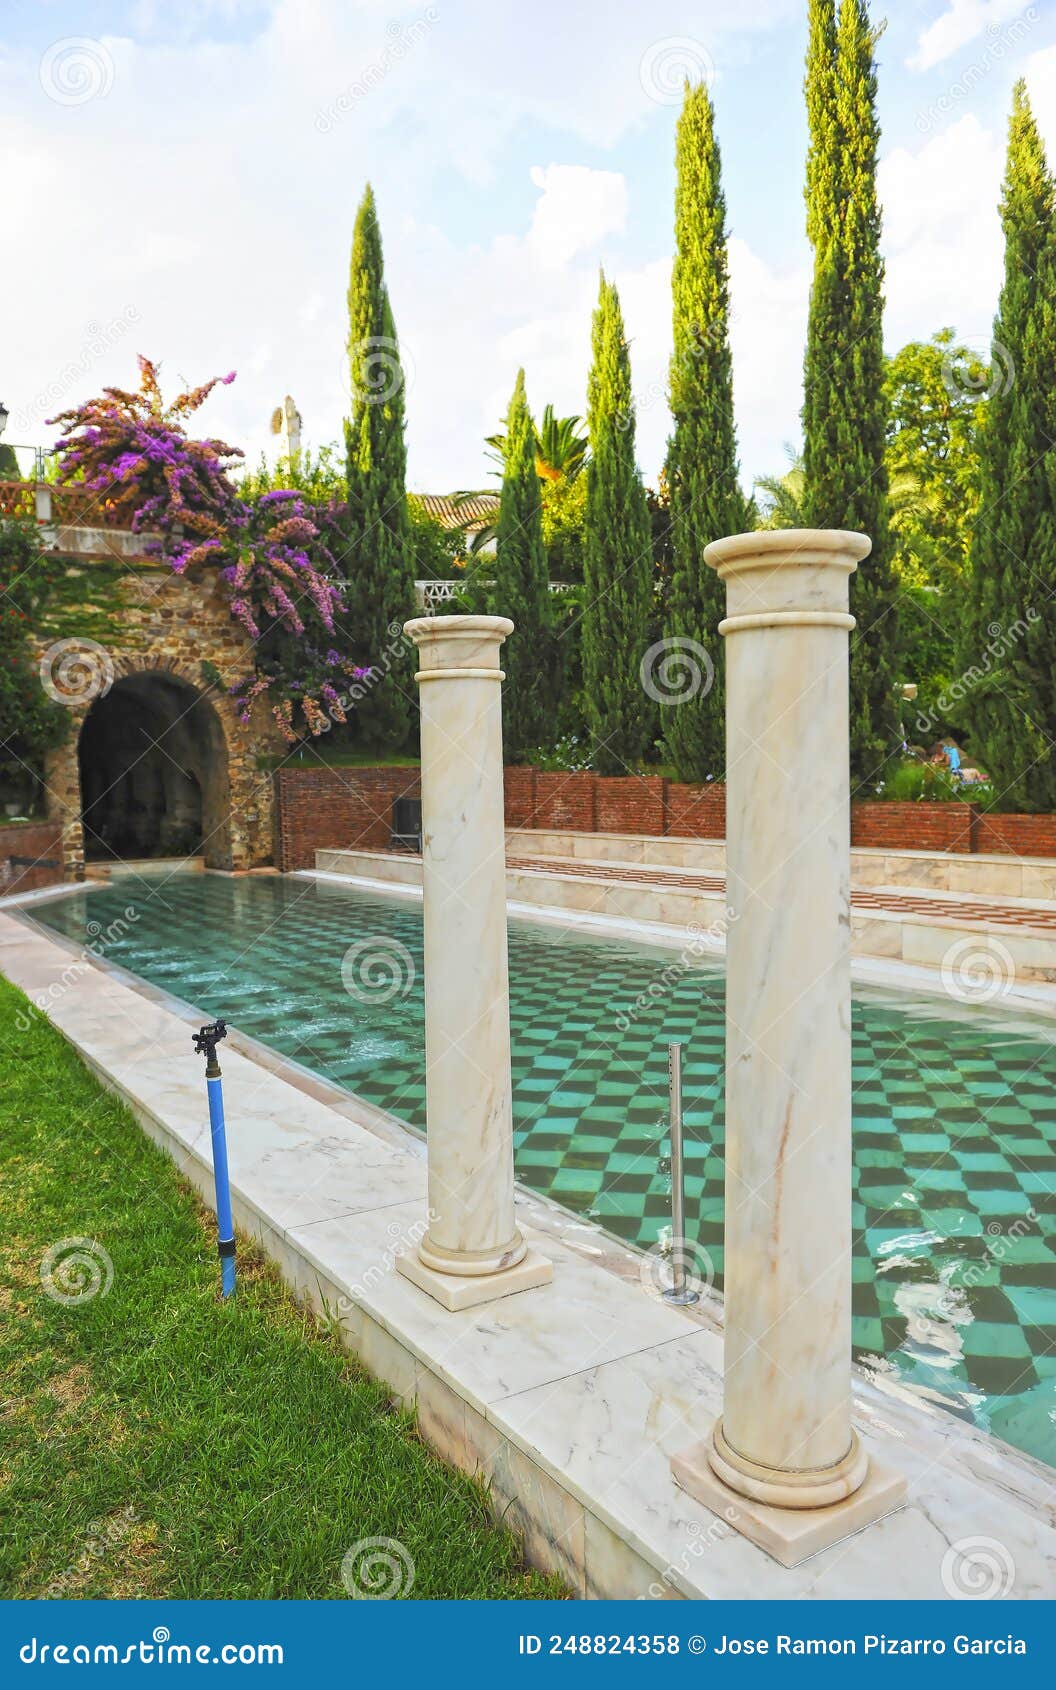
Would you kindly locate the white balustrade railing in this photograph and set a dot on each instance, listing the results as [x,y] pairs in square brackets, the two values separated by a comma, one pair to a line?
[428,594]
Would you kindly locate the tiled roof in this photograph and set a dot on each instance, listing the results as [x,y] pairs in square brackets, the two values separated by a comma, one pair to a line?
[453,511]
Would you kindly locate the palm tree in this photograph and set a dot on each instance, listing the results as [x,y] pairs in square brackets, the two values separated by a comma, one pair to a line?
[781,503]
[560,453]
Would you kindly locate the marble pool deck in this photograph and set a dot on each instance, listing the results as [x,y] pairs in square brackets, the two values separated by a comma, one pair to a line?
[568,1399]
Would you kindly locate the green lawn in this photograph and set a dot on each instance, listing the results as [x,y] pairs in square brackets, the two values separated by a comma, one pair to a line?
[157,1442]
[324,753]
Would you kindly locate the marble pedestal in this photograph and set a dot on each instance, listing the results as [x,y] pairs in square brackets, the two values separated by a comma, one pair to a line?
[784,1449]
[473,1250]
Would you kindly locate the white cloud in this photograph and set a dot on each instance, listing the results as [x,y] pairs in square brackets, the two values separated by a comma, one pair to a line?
[958,25]
[942,236]
[577,210]
[1040,72]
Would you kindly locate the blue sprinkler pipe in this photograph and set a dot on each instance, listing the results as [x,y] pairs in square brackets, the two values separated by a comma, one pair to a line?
[205,1043]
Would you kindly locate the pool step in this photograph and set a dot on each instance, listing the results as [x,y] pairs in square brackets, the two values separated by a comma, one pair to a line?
[144,867]
[974,874]
[982,946]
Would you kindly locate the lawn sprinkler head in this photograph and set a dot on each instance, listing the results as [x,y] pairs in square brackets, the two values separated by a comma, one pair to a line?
[206,1041]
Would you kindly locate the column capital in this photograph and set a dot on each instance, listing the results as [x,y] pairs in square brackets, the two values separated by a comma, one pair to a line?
[458,647]
[787,577]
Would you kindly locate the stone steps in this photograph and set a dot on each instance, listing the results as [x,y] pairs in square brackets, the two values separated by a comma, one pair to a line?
[982,947]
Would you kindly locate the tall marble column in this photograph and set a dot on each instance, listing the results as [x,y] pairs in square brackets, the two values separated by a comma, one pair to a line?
[784,1453]
[473,1250]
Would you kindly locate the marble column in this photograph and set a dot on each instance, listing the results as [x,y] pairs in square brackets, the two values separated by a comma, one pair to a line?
[473,1250]
[784,1460]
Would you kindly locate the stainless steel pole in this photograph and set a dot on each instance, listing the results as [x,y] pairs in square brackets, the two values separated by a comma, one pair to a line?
[679,1291]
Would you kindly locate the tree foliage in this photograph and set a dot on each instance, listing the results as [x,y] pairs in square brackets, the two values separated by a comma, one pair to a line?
[618,559]
[376,559]
[844,462]
[520,587]
[31,721]
[1008,651]
[705,498]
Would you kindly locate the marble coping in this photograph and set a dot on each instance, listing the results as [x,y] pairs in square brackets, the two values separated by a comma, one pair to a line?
[570,1399]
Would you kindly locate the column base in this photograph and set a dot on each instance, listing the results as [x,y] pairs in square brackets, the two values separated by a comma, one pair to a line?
[789,1535]
[456,1291]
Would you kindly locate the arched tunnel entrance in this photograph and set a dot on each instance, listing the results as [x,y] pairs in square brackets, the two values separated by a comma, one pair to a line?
[154,775]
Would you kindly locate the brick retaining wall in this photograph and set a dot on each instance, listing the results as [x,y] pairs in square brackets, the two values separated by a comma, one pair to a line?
[317,809]
[30,856]
[336,808]
[913,827]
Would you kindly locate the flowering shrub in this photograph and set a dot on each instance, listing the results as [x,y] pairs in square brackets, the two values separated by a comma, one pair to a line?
[133,451]
[284,594]
[273,551]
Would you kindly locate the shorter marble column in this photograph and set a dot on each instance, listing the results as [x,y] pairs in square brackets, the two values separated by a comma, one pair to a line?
[784,1464]
[473,1250]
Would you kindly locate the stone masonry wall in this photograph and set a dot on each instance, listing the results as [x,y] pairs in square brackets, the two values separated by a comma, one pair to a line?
[172,625]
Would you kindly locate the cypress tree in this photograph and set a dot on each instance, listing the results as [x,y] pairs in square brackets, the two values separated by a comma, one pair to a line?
[1008,650]
[617,555]
[378,560]
[701,471]
[844,411]
[521,588]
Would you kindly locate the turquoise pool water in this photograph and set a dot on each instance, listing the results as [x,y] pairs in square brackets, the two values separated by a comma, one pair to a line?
[954,1111]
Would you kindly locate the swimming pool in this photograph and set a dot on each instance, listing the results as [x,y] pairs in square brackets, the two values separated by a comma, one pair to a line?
[954,1109]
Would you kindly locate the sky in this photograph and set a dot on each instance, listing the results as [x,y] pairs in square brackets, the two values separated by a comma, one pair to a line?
[181,181]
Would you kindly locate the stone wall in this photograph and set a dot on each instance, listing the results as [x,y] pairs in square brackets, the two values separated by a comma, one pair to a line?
[171,626]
